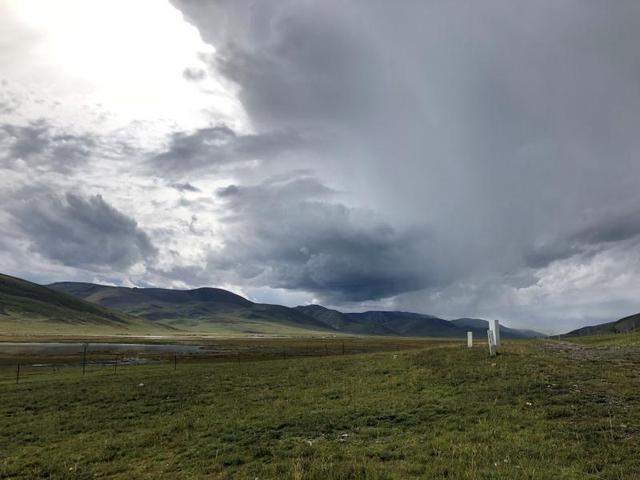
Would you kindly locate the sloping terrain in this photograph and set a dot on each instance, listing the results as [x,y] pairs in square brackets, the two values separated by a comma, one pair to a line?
[218,311]
[624,325]
[345,322]
[406,324]
[479,327]
[27,307]
[207,310]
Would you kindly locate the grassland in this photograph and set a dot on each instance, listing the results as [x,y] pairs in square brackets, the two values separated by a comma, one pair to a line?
[19,325]
[608,340]
[28,309]
[32,325]
[540,410]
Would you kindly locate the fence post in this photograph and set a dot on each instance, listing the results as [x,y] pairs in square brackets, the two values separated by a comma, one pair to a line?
[84,358]
[343,348]
[18,373]
[175,361]
[115,366]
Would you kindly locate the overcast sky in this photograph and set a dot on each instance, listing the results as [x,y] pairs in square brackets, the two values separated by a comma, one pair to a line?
[457,158]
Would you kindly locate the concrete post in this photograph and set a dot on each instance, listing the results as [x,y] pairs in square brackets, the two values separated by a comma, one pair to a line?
[469,339]
[494,327]
[491,342]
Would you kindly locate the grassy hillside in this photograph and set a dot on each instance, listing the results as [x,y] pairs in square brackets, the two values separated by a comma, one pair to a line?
[406,324]
[217,311]
[624,325]
[344,322]
[533,412]
[204,310]
[605,340]
[479,327]
[26,307]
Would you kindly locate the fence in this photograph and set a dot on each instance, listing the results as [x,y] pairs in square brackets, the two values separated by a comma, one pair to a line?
[87,359]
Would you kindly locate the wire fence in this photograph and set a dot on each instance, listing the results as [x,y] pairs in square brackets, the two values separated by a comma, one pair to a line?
[87,359]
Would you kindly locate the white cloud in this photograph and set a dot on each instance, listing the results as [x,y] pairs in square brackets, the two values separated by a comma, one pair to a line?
[107,64]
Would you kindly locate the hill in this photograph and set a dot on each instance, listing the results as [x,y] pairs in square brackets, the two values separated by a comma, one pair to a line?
[206,310]
[345,322]
[406,324]
[26,307]
[218,311]
[480,326]
[624,325]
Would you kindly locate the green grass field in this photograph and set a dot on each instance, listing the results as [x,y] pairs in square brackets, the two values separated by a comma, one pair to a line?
[30,325]
[540,410]
[608,340]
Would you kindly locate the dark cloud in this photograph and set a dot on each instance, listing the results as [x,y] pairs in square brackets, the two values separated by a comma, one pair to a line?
[82,232]
[194,74]
[38,145]
[501,125]
[311,69]
[10,100]
[592,235]
[291,233]
[185,187]
[6,108]
[543,254]
[612,227]
[213,147]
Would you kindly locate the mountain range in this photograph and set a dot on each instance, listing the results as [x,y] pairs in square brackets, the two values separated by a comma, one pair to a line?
[406,324]
[206,310]
[81,307]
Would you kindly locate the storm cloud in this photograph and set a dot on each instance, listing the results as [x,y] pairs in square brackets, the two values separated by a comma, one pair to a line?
[291,233]
[185,187]
[38,145]
[83,232]
[503,126]
[194,74]
[454,158]
[215,147]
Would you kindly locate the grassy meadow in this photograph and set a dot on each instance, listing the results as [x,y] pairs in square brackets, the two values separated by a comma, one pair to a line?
[614,340]
[38,326]
[428,409]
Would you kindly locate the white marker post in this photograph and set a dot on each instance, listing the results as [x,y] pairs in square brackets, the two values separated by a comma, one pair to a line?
[494,328]
[490,341]
[469,339]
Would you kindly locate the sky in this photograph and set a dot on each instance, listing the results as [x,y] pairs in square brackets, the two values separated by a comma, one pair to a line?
[456,158]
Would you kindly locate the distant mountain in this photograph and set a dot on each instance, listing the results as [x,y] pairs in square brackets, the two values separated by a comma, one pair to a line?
[344,322]
[76,307]
[406,324]
[479,326]
[26,307]
[624,325]
[154,303]
[209,310]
